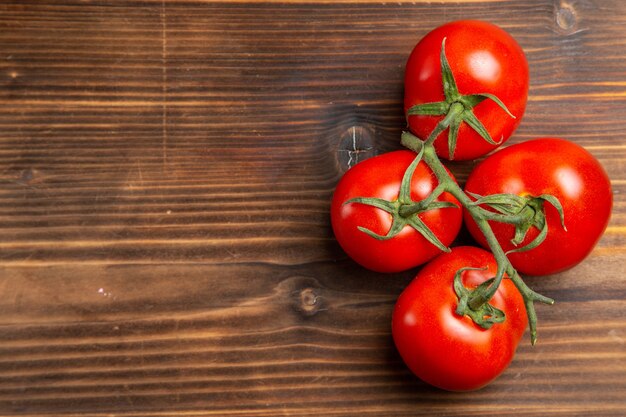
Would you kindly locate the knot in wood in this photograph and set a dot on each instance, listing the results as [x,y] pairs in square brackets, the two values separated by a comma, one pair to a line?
[565,18]
[309,301]
[356,144]
[26,176]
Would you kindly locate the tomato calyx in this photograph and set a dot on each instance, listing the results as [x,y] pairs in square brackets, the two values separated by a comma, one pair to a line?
[485,315]
[523,212]
[401,217]
[457,107]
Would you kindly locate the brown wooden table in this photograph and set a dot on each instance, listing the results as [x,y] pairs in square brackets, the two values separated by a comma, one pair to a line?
[165,175]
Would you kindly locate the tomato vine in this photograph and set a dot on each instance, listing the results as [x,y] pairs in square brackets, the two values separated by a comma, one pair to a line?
[523,212]
[481,295]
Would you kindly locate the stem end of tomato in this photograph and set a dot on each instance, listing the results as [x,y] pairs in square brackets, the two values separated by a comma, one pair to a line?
[484,315]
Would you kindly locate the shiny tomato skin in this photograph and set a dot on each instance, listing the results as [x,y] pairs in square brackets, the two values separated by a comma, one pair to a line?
[447,350]
[484,59]
[380,177]
[547,166]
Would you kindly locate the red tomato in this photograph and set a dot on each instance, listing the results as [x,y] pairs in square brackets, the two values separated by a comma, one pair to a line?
[483,59]
[381,177]
[451,351]
[547,166]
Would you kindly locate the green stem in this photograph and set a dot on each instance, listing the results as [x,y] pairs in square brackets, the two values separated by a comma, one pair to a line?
[432,160]
[454,111]
[530,297]
[448,184]
[407,210]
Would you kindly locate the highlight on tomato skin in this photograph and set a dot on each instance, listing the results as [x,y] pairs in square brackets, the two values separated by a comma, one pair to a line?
[483,58]
[556,167]
[447,350]
[381,177]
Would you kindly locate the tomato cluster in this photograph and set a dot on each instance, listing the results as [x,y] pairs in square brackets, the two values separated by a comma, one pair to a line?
[537,208]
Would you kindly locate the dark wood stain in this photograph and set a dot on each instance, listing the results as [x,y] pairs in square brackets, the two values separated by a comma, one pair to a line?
[165,175]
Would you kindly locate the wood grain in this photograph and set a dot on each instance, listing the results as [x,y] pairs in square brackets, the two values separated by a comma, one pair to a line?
[165,175]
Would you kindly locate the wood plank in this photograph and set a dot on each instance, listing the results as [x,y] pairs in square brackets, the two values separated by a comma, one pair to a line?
[165,175]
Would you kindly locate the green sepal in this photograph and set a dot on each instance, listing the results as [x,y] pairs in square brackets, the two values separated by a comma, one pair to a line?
[453,134]
[502,203]
[451,91]
[519,238]
[538,221]
[554,202]
[477,125]
[475,99]
[522,212]
[484,315]
[417,223]
[429,109]
[380,203]
[396,227]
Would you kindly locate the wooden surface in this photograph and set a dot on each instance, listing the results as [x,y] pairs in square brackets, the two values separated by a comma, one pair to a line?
[165,175]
